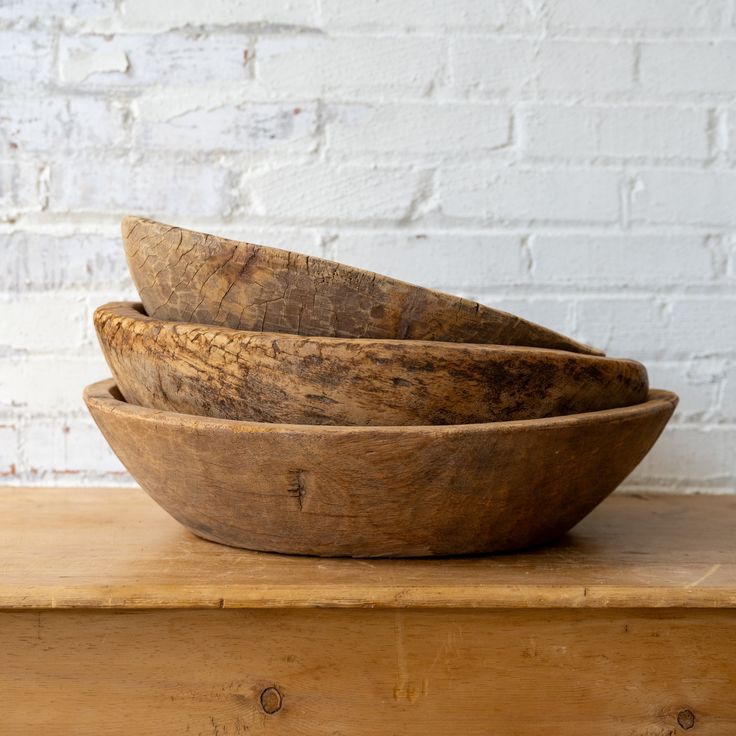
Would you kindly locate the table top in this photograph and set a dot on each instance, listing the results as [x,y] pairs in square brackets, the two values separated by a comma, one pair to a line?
[115,548]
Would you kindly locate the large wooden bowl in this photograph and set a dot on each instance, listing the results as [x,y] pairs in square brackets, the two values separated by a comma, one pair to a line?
[188,276]
[294,379]
[378,491]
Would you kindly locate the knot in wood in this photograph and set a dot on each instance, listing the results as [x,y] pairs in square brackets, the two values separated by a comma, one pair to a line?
[271,700]
[686,719]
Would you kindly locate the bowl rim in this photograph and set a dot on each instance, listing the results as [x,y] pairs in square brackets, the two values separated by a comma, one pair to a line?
[101,396]
[134,310]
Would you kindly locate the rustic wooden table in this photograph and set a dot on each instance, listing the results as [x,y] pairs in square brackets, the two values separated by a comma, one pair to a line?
[115,620]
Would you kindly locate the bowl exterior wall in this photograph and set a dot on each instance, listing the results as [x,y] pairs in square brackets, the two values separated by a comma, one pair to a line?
[185,275]
[392,492]
[294,379]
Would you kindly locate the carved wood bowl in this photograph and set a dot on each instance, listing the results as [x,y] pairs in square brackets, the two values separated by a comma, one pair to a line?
[378,491]
[187,276]
[295,379]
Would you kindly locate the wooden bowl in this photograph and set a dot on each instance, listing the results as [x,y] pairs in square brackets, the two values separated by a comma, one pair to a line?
[187,276]
[294,379]
[378,491]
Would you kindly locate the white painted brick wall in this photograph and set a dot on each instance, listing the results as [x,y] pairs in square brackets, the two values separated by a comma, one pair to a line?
[100,183]
[247,127]
[575,131]
[133,60]
[324,191]
[699,67]
[166,15]
[426,130]
[26,57]
[570,160]
[362,66]
[650,16]
[529,195]
[580,66]
[480,66]
[423,15]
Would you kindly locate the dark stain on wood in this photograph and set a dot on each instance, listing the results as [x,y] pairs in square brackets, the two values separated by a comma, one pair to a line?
[297,487]
[268,377]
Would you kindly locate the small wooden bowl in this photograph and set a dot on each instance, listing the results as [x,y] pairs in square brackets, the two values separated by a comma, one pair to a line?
[187,276]
[293,379]
[378,491]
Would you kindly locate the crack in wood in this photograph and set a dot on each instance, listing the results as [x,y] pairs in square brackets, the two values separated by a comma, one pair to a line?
[297,488]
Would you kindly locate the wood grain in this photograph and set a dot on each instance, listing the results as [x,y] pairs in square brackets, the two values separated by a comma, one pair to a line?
[369,673]
[294,379]
[378,491]
[574,663]
[183,275]
[116,548]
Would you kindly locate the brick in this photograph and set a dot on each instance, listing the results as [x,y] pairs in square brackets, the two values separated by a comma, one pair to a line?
[696,382]
[42,322]
[620,260]
[482,65]
[702,326]
[419,14]
[39,261]
[158,187]
[46,11]
[698,67]
[50,123]
[58,447]
[697,456]
[94,59]
[33,124]
[26,58]
[126,60]
[730,126]
[247,127]
[635,15]
[594,67]
[97,123]
[37,384]
[419,128]
[579,195]
[648,328]
[8,452]
[590,131]
[728,400]
[326,192]
[20,186]
[444,260]
[312,65]
[633,326]
[169,14]
[704,198]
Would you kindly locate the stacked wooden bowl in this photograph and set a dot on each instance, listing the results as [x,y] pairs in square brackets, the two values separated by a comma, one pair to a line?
[281,402]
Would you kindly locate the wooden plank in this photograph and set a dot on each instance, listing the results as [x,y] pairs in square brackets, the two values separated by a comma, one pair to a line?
[114,548]
[516,673]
